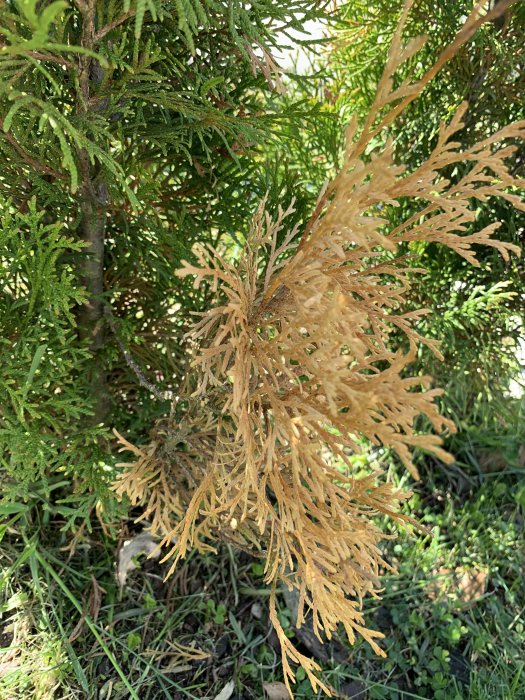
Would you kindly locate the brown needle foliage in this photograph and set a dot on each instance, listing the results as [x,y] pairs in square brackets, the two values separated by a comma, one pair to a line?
[294,364]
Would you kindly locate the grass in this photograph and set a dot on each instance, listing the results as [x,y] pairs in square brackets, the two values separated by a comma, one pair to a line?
[68,631]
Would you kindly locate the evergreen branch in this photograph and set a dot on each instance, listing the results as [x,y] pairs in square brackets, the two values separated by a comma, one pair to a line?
[112,25]
[41,56]
[161,396]
[465,34]
[36,164]
[51,58]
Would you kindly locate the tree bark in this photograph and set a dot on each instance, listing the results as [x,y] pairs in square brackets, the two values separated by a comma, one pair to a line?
[91,316]
[92,229]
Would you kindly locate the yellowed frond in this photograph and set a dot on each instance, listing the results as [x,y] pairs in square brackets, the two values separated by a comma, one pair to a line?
[292,368]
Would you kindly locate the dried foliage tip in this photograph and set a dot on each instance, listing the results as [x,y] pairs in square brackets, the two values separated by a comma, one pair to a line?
[293,368]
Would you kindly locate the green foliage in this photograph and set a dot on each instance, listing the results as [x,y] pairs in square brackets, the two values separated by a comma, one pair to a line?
[179,135]
[41,362]
[448,648]
[143,122]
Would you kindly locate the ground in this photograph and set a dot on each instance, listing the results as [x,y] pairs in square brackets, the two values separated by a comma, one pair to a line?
[453,615]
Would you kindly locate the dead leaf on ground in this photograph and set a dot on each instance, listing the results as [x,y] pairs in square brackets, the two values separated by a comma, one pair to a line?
[143,543]
[465,585]
[107,689]
[226,692]
[178,654]
[190,652]
[276,691]
[256,610]
[8,667]
[490,462]
[174,667]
